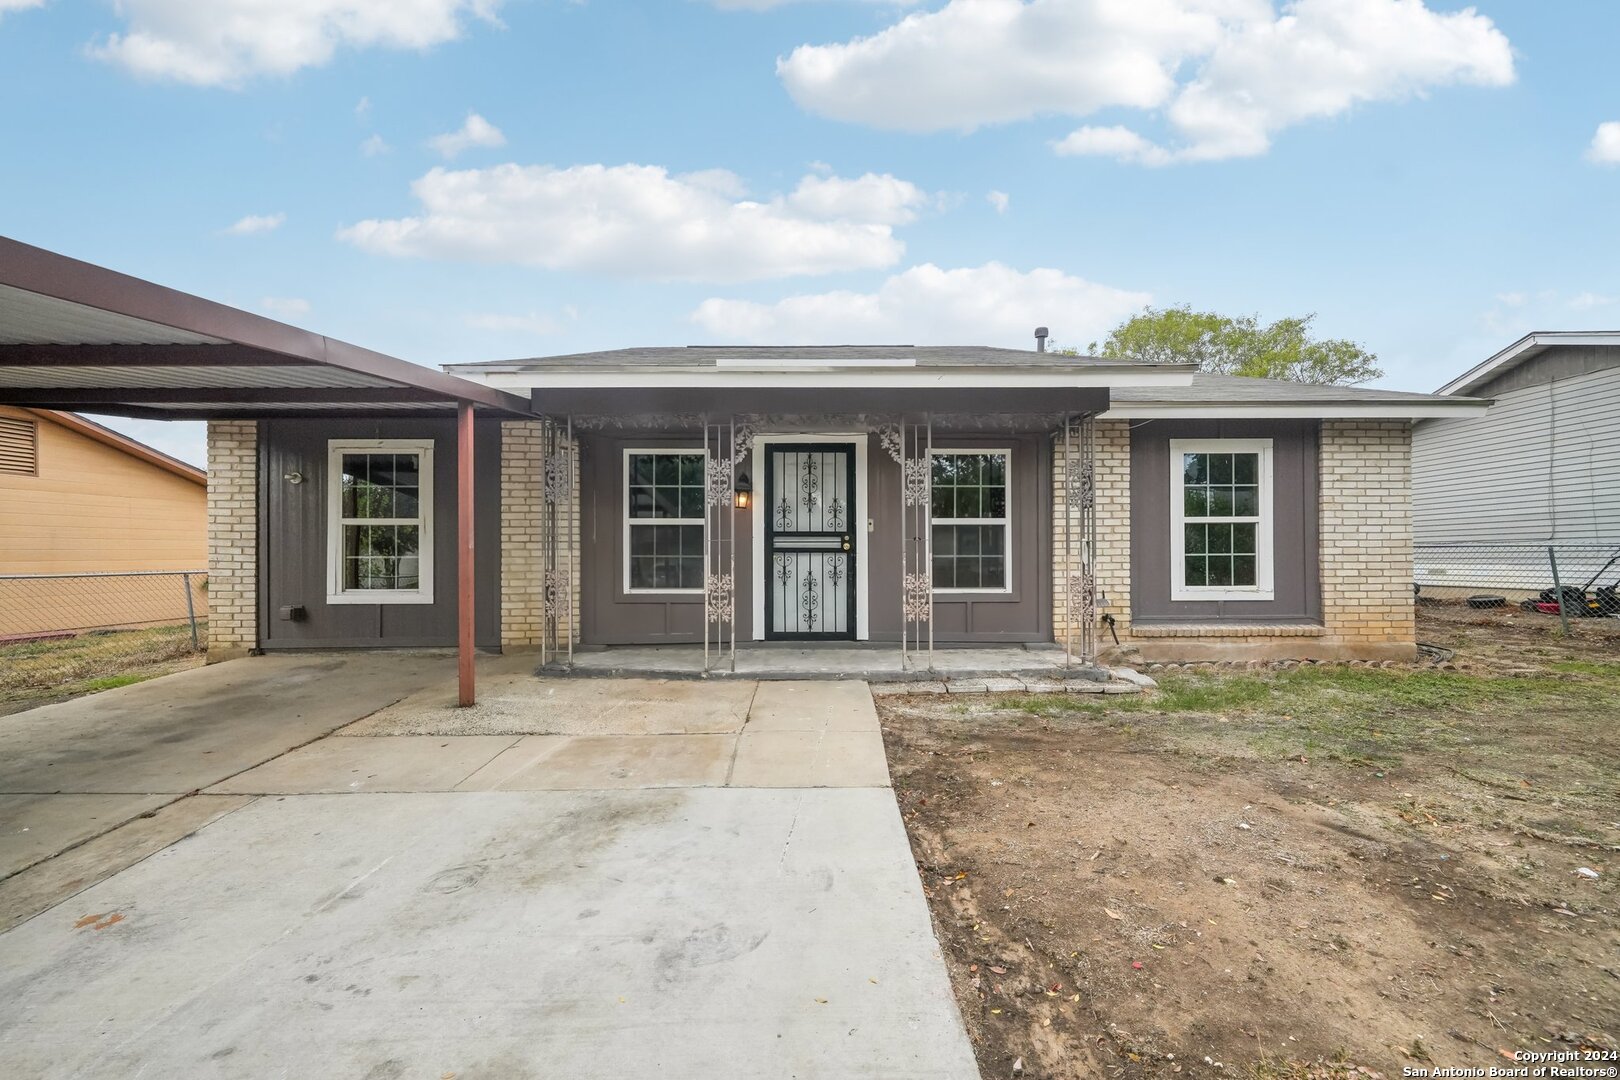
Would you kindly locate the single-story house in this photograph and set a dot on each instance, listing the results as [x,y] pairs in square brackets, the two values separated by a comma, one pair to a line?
[1539,466]
[925,497]
[77,498]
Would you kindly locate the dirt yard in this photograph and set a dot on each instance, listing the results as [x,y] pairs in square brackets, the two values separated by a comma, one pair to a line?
[1304,872]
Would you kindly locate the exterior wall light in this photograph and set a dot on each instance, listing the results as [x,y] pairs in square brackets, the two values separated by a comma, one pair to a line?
[743,496]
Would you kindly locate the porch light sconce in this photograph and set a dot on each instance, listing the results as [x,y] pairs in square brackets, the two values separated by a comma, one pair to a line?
[743,496]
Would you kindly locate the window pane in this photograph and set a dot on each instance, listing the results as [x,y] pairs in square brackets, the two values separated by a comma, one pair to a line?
[969,468]
[1196,570]
[1243,539]
[995,502]
[356,469]
[641,572]
[1245,468]
[641,469]
[1195,468]
[943,504]
[1246,501]
[407,470]
[1220,502]
[691,573]
[641,502]
[1193,539]
[995,470]
[967,502]
[667,469]
[666,501]
[691,502]
[1220,468]
[992,539]
[1220,570]
[944,571]
[993,573]
[692,470]
[944,542]
[1243,570]
[407,502]
[967,574]
[1220,538]
[967,540]
[692,541]
[944,469]
[1195,502]
[641,540]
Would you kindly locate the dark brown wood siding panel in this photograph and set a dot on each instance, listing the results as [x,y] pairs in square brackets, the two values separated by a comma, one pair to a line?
[293,541]
[1295,549]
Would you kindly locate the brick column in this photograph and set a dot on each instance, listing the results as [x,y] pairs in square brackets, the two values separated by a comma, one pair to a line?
[233,539]
[1366,537]
[1111,471]
[523,536]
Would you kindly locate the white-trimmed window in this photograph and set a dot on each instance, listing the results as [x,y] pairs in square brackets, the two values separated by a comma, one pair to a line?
[1220,519]
[380,521]
[663,520]
[971,514]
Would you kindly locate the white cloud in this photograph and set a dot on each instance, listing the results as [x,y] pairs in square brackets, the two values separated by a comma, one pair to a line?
[285,307]
[19,5]
[255,223]
[474,131]
[362,108]
[1587,301]
[225,42]
[537,325]
[1605,147]
[993,304]
[374,145]
[878,200]
[642,221]
[998,199]
[1226,74]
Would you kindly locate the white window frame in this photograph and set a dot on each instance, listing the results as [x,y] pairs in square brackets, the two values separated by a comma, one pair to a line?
[1264,523]
[1005,521]
[335,592]
[627,520]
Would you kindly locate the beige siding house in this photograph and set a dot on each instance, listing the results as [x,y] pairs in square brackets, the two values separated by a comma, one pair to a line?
[78,498]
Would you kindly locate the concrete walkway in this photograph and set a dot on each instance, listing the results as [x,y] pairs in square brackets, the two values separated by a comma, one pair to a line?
[715,887]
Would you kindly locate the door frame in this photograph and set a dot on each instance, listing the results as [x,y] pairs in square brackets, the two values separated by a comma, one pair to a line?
[861,524]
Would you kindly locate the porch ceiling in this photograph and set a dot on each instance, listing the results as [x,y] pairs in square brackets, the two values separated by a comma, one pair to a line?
[74,336]
[1026,407]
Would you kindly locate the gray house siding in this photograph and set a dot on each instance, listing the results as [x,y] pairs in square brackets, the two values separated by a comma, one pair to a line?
[1538,467]
[1295,513]
[293,540]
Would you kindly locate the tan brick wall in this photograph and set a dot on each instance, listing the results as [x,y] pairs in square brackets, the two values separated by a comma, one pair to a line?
[524,524]
[1111,470]
[233,539]
[1366,529]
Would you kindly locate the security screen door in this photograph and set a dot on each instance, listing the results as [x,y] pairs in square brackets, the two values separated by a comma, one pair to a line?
[810,541]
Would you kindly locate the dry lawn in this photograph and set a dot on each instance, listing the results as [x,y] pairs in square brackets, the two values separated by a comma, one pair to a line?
[1288,873]
[34,673]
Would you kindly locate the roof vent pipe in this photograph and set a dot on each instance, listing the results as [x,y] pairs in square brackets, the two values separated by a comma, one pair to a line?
[1040,338]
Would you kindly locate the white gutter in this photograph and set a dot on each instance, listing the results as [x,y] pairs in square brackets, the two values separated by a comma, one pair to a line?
[1371,410]
[1511,355]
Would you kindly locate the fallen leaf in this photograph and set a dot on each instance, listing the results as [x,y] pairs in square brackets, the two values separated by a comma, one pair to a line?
[998,970]
[1112,914]
[821,1001]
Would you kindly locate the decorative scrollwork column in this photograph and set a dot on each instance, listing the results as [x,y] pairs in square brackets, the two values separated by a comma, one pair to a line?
[910,446]
[1080,538]
[557,599]
[723,447]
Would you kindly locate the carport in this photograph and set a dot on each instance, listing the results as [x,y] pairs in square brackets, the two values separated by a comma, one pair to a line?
[79,337]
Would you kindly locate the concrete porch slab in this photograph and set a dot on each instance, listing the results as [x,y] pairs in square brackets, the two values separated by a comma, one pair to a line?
[398,763]
[879,663]
[601,762]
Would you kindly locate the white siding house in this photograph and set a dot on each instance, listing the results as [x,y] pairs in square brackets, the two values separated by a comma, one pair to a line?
[1540,467]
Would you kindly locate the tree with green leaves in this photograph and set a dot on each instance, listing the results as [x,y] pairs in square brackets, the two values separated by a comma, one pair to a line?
[1224,345]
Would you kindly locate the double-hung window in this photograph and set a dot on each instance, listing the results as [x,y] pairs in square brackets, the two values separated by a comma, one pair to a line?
[380,522]
[970,516]
[1221,524]
[664,520]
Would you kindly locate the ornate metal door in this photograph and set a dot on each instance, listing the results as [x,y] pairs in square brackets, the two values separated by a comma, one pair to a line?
[810,541]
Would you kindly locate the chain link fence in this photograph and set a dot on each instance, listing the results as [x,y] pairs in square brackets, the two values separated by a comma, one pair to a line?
[69,633]
[1564,583]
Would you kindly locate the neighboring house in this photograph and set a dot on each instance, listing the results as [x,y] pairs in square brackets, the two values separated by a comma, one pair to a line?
[950,495]
[1541,466]
[79,498]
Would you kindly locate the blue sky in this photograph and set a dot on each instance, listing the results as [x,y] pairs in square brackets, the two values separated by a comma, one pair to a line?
[1433,181]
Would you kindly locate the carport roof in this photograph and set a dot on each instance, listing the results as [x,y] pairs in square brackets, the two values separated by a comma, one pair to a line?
[81,337]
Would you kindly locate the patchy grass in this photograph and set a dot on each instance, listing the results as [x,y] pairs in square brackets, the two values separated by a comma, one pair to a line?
[36,673]
[1295,873]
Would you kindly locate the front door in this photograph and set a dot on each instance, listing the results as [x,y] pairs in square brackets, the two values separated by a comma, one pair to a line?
[809,541]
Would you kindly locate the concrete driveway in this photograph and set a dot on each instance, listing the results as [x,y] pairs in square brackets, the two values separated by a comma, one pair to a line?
[583,879]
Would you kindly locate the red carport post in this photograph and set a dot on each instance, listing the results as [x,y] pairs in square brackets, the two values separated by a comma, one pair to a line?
[464,552]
